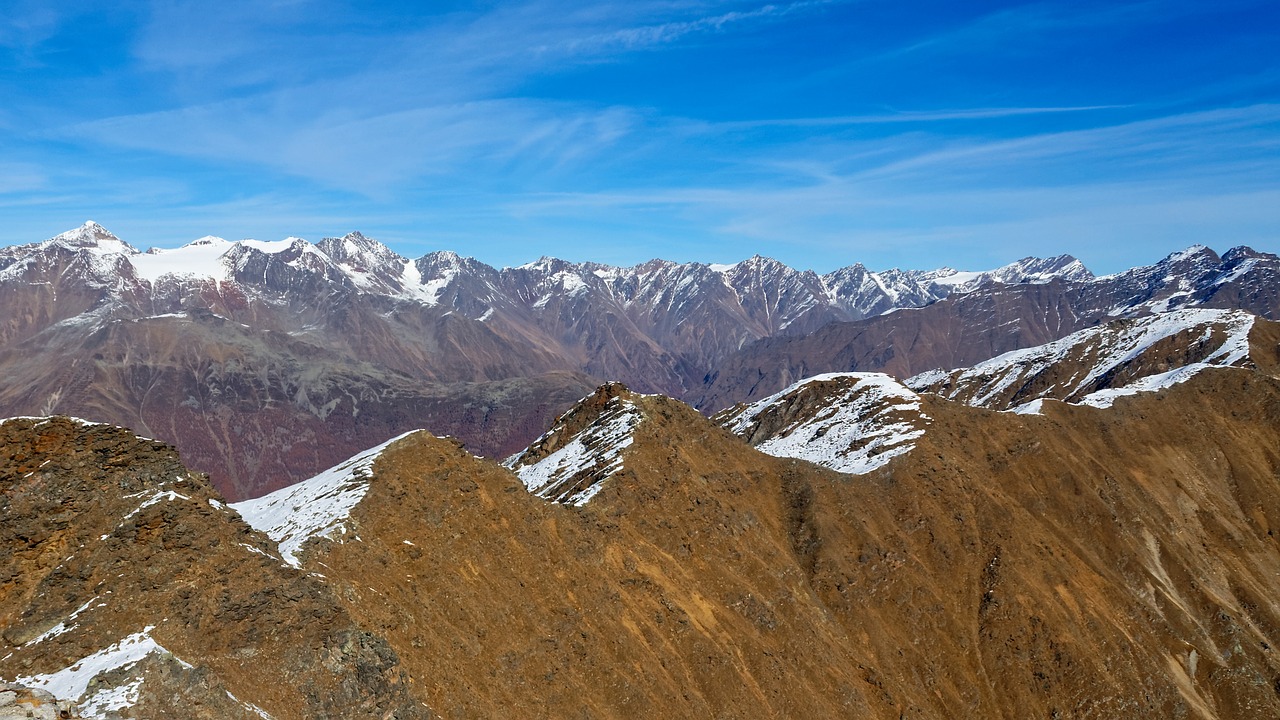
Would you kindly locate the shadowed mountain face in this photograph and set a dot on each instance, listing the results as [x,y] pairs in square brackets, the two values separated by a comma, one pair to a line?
[265,362]
[641,560]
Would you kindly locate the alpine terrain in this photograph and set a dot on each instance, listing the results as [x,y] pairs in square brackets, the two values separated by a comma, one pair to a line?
[850,546]
[265,362]
[1029,492]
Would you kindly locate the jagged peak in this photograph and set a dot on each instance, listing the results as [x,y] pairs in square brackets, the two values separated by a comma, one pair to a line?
[1194,254]
[1241,252]
[92,236]
[357,248]
[546,263]
[571,462]
[654,265]
[759,263]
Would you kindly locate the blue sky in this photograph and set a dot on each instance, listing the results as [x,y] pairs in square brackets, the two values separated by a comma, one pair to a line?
[819,132]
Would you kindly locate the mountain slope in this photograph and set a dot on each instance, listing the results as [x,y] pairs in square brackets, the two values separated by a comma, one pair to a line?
[850,422]
[129,584]
[265,362]
[965,329]
[1096,365]
[572,460]
[268,361]
[1084,562]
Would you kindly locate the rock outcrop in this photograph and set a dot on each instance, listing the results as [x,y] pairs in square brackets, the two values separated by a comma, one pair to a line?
[23,703]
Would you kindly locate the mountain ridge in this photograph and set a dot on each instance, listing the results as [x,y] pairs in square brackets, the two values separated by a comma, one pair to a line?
[296,355]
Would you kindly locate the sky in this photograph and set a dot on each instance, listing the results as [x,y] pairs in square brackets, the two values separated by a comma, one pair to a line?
[895,133]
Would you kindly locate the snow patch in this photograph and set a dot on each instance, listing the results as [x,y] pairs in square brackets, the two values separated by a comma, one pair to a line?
[1108,347]
[110,700]
[72,681]
[428,293]
[201,259]
[314,507]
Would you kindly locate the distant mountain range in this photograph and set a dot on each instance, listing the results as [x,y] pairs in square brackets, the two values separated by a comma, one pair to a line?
[267,361]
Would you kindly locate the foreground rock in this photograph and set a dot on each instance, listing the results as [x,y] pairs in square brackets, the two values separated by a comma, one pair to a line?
[20,703]
[127,587]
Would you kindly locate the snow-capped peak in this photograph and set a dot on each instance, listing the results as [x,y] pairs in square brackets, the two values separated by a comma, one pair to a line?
[571,462]
[93,237]
[850,422]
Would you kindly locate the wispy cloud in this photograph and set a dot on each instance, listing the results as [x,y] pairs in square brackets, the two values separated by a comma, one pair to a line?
[369,153]
[912,116]
[1085,191]
[631,38]
[661,126]
[1027,25]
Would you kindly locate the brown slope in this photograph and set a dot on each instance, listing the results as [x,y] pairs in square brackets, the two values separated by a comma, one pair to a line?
[1088,563]
[678,597]
[95,519]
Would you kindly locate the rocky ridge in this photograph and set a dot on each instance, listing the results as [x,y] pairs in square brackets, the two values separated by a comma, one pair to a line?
[1084,561]
[125,582]
[265,362]
[1097,365]
[850,422]
[965,329]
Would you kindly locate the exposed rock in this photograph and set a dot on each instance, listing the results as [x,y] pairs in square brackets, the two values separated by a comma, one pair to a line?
[20,703]
[967,328]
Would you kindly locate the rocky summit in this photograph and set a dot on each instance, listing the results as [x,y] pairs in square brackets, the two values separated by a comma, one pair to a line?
[849,546]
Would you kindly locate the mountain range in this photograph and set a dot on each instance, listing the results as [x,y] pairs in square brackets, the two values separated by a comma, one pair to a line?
[1084,528]
[264,362]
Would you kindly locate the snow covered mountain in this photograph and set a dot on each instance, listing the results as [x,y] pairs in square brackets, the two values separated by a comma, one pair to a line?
[571,462]
[299,354]
[966,328]
[850,422]
[1097,365]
